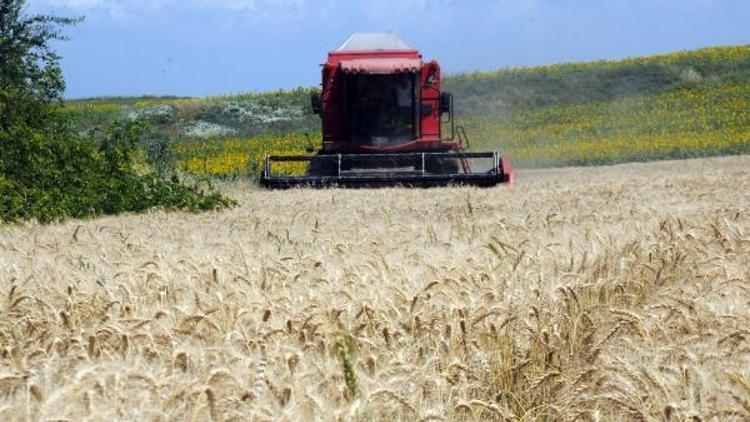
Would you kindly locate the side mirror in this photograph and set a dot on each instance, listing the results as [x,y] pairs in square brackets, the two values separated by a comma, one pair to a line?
[446,102]
[315,103]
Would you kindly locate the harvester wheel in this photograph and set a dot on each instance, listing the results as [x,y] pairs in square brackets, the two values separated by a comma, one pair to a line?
[441,165]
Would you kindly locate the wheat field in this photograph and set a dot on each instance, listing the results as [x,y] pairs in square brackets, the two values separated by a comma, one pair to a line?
[611,293]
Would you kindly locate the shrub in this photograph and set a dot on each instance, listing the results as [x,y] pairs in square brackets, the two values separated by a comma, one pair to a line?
[47,170]
[54,176]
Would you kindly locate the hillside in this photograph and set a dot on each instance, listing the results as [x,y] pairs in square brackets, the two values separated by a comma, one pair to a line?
[693,103]
[671,106]
[508,90]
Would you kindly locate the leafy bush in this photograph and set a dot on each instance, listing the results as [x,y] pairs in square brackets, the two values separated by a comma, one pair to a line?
[51,177]
[47,170]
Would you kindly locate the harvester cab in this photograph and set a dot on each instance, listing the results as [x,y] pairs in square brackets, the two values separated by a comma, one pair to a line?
[383,116]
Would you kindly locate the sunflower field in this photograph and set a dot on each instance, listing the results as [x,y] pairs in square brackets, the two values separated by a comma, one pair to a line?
[706,120]
[243,156]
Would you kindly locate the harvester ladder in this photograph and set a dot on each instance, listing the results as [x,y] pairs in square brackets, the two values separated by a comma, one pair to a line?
[463,140]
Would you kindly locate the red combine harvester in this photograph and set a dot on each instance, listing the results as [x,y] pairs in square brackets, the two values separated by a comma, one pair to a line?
[382,114]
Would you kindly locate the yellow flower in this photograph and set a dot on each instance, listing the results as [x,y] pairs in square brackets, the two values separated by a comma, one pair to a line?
[243,156]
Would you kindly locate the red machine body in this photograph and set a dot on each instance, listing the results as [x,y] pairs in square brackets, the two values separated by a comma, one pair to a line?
[382,113]
[426,110]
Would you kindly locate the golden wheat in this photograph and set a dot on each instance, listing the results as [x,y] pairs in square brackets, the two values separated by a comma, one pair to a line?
[597,293]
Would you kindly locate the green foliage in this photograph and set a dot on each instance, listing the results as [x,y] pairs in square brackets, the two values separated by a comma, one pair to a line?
[69,175]
[30,75]
[346,346]
[47,170]
[173,118]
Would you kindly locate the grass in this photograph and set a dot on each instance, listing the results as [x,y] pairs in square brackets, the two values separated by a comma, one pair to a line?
[246,115]
[704,120]
[496,93]
[601,293]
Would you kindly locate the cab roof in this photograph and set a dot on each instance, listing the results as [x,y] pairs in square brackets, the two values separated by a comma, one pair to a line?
[373,41]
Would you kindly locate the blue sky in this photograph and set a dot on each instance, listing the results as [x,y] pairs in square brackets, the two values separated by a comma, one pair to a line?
[211,47]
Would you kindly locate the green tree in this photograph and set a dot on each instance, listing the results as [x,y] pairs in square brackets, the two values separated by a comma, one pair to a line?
[30,75]
[48,171]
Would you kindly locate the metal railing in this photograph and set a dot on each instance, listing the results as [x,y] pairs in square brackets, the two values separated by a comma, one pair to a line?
[417,159]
